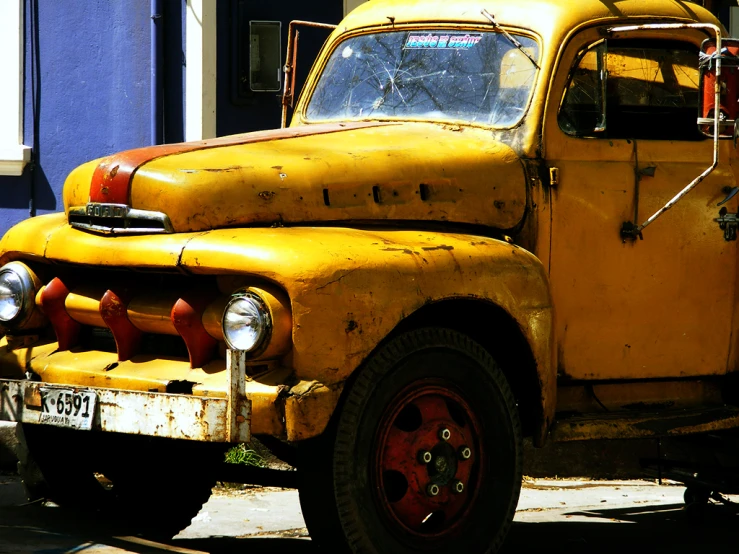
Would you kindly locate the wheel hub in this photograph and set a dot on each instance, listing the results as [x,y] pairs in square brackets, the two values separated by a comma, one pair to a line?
[428,460]
[443,466]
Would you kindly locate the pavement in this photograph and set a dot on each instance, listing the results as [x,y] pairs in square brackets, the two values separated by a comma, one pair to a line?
[8,443]
[558,516]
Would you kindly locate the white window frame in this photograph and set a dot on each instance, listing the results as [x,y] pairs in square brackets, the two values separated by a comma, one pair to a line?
[200,69]
[734,22]
[14,155]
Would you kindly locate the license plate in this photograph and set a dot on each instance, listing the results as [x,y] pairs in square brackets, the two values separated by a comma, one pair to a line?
[68,408]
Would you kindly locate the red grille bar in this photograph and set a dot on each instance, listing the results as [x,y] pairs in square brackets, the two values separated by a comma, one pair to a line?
[114,311]
[187,317]
[52,301]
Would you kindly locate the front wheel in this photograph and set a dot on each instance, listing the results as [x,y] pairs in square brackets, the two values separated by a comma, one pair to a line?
[425,454]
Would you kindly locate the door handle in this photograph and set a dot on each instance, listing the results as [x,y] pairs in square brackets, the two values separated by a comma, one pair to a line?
[731,194]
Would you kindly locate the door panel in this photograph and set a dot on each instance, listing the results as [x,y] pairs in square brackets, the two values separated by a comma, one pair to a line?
[655,308]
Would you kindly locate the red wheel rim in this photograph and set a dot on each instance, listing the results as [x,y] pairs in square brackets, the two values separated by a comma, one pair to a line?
[429,455]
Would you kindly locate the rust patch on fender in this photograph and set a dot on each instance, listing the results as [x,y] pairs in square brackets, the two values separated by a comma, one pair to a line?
[352,325]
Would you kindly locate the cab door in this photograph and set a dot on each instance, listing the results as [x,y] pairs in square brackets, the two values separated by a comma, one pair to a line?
[660,307]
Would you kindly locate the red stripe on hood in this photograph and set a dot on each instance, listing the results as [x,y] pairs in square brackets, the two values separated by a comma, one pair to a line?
[111,181]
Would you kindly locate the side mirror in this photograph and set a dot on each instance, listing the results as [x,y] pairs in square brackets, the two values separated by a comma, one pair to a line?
[729,86]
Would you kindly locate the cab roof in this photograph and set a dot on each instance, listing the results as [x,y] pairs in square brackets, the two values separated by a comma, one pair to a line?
[552,19]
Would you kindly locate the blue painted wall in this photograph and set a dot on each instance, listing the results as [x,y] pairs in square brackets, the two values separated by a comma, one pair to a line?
[88,77]
[87,94]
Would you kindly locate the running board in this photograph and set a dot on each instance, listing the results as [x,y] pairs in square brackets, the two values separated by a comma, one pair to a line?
[629,425]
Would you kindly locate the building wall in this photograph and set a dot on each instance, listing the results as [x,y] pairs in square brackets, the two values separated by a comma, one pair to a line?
[349,5]
[173,70]
[87,85]
[86,94]
[262,110]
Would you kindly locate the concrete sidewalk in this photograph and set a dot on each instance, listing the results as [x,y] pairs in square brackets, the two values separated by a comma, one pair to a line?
[8,443]
[567,517]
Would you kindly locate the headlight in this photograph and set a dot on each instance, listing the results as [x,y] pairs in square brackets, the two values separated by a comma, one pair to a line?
[11,296]
[246,322]
[17,292]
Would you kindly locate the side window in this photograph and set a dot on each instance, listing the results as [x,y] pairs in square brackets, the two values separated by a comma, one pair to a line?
[625,89]
[265,55]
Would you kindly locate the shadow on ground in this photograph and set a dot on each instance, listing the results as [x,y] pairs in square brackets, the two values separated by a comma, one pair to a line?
[35,528]
[660,529]
[663,528]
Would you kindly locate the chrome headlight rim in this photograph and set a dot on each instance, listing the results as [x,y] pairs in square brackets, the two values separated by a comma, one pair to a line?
[28,293]
[261,344]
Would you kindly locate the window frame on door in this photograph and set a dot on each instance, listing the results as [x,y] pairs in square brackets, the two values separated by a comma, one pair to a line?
[655,119]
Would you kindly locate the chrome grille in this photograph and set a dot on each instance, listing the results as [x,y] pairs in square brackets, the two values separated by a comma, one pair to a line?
[118,219]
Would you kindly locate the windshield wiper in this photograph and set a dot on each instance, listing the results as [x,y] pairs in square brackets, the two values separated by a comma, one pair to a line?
[510,37]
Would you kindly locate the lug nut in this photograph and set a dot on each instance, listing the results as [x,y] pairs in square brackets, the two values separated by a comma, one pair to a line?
[465,453]
[458,487]
[425,457]
[432,489]
[445,434]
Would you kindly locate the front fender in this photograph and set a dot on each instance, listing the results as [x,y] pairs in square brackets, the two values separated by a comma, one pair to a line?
[350,288]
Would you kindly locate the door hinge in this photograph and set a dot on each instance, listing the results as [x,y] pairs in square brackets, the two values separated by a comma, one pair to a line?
[553,176]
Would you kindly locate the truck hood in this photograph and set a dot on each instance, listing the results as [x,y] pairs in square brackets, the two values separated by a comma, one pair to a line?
[314,173]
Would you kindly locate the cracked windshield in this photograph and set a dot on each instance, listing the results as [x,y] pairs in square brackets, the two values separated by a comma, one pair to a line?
[433,75]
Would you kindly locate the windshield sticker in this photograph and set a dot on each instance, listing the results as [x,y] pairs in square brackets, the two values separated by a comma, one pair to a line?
[430,40]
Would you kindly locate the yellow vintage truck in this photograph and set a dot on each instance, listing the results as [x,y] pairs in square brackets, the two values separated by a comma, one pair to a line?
[446,252]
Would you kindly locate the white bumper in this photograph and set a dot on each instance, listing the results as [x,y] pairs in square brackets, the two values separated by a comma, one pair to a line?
[176,416]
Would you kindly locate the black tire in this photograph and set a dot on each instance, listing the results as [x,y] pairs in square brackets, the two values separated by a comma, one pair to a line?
[696,495]
[138,485]
[33,480]
[363,487]
[696,512]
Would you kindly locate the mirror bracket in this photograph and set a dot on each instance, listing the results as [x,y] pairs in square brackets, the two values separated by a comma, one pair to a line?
[630,230]
[291,57]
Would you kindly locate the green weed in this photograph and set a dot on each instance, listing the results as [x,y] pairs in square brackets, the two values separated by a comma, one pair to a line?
[245,455]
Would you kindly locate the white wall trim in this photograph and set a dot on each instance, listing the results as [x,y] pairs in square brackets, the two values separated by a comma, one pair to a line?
[200,70]
[734,22]
[349,5]
[14,155]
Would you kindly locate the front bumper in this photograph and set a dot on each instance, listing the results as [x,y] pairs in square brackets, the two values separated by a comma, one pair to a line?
[176,416]
[276,404]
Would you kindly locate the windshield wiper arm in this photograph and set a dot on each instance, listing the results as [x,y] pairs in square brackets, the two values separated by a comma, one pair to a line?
[510,37]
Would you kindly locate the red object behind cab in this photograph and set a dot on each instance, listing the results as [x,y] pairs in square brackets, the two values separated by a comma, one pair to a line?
[729,105]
